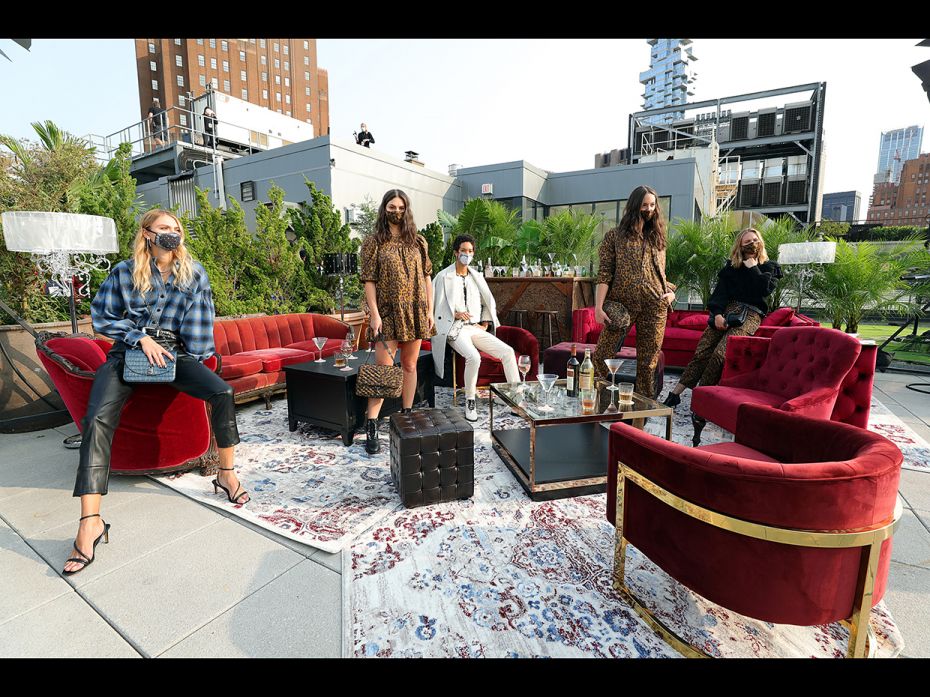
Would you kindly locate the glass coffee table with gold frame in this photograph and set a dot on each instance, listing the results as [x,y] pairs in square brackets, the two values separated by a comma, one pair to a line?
[563,452]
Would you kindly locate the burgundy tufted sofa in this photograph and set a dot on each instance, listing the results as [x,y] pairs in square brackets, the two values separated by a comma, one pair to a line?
[254,350]
[814,371]
[683,330]
[834,480]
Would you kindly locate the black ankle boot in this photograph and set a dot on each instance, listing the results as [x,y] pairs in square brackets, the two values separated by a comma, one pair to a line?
[372,446]
[406,410]
[673,400]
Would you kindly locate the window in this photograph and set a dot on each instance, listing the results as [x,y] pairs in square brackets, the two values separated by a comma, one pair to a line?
[155,85]
[153,66]
[177,42]
[180,81]
[264,94]
[306,45]
[247,191]
[224,45]
[307,91]
[261,42]
[276,47]
[308,108]
[309,121]
[242,76]
[213,63]
[285,49]
[200,42]
[151,47]
[252,41]
[277,64]
[225,66]
[214,83]
[200,60]
[264,77]
[242,56]
[287,98]
[178,61]
[306,60]
[264,59]
[277,79]
[226,86]
[183,119]
[287,82]
[182,100]
[212,43]
[307,75]
[203,81]
[288,112]
[245,95]
[287,66]
[278,97]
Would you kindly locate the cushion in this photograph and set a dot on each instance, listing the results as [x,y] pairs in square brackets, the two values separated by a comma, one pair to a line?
[239,366]
[778,318]
[698,321]
[678,339]
[275,359]
[724,402]
[329,348]
[737,451]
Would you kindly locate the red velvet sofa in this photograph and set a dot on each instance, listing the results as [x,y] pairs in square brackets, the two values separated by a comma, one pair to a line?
[813,371]
[683,330]
[160,430]
[775,526]
[254,350]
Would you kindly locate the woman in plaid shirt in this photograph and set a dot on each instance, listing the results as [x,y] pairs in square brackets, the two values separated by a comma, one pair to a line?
[159,295]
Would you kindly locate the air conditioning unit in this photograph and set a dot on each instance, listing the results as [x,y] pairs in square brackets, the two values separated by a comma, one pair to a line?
[752,170]
[797,191]
[770,123]
[798,117]
[749,195]
[771,193]
[739,126]
[774,168]
[797,166]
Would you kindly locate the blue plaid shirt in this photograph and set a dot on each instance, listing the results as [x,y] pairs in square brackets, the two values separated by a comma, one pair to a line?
[120,312]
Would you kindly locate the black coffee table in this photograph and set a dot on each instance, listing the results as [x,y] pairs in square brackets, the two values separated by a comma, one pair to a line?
[323,395]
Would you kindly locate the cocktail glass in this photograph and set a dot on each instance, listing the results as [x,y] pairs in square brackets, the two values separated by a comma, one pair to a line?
[546,381]
[320,342]
[613,365]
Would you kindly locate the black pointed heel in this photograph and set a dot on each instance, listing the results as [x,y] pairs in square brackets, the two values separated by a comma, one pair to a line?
[83,559]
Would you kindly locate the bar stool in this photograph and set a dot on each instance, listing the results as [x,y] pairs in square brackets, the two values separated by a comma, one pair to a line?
[548,326]
[518,318]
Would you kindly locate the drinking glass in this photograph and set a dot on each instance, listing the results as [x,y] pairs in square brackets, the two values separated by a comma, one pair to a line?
[320,342]
[348,348]
[345,353]
[613,365]
[626,392]
[588,401]
[546,381]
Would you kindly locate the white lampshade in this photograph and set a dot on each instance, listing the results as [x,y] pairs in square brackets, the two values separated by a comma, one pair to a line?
[41,232]
[807,253]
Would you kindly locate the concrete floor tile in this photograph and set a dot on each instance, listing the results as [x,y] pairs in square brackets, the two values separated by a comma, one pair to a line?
[906,598]
[911,542]
[26,581]
[330,561]
[297,615]
[915,488]
[163,597]
[139,525]
[294,545]
[66,627]
[70,429]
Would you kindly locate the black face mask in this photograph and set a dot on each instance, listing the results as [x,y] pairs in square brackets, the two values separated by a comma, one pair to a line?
[166,240]
[396,217]
[749,248]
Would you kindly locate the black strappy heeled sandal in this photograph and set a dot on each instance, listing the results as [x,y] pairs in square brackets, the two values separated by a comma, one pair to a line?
[240,492]
[105,536]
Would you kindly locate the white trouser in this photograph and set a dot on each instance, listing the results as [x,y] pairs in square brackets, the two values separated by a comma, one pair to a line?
[472,339]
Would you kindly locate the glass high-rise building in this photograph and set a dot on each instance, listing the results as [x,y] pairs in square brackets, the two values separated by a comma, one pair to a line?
[895,148]
[669,78]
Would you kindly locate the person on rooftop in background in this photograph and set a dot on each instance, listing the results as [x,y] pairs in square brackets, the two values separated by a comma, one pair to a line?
[364,137]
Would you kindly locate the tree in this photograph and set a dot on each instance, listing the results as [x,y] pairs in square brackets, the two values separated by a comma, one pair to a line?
[440,250]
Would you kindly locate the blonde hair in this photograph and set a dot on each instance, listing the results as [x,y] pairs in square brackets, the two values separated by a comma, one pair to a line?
[736,254]
[142,269]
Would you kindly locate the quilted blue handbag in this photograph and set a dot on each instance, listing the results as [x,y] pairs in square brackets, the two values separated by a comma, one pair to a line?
[137,368]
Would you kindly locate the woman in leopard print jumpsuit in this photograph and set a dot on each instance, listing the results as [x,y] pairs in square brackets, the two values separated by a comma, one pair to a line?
[632,288]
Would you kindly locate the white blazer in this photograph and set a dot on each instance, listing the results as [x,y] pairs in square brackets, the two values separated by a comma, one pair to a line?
[444,316]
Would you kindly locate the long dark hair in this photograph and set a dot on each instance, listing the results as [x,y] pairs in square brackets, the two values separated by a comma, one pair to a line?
[632,222]
[408,229]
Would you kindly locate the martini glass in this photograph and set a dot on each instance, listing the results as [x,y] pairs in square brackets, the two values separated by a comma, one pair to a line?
[613,365]
[546,381]
[320,342]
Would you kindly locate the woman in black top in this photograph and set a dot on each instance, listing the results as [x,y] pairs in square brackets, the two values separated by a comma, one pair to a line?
[746,280]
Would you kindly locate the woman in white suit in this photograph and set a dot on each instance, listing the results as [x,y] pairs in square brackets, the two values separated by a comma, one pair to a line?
[464,308]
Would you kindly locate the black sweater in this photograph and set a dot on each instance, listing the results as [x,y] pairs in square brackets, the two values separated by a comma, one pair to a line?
[744,285]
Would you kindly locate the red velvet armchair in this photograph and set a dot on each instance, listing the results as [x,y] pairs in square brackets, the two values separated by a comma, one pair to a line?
[161,430]
[775,526]
[800,369]
[492,370]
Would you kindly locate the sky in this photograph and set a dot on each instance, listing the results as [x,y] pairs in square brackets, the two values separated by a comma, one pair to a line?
[552,102]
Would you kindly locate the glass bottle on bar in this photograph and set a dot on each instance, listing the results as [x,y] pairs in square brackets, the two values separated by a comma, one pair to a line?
[586,372]
[571,374]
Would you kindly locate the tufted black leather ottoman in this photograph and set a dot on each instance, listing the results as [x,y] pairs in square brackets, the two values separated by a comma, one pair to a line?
[432,456]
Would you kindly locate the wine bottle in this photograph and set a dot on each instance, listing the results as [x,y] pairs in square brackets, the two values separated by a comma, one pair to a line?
[586,372]
[571,375]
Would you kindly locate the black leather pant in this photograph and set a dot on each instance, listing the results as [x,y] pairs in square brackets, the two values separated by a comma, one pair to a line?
[108,396]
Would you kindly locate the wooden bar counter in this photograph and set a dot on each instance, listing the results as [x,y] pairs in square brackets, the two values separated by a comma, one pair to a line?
[548,293]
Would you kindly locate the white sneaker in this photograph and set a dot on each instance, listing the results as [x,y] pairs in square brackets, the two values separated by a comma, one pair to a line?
[471,410]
